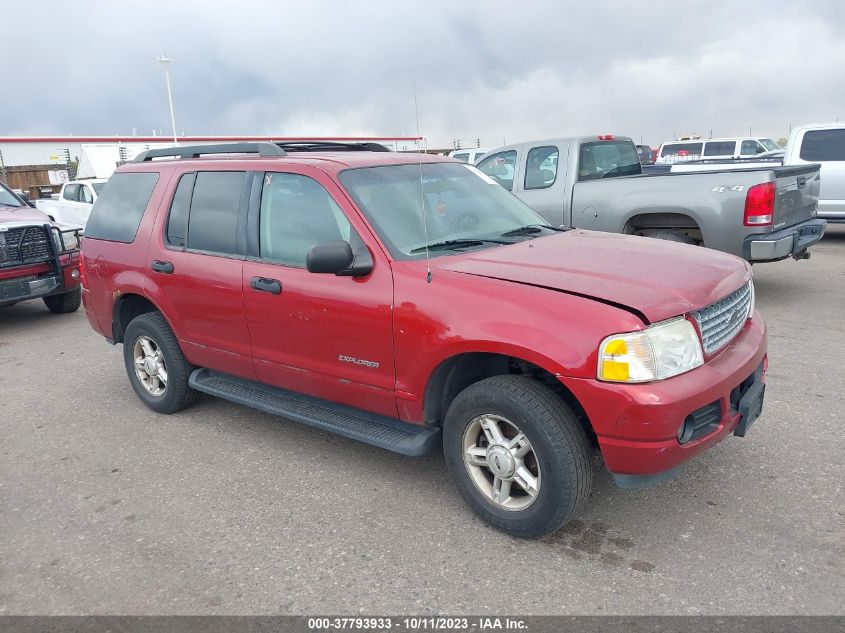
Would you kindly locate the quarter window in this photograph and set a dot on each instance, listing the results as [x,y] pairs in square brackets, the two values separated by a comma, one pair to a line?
[177,220]
[296,213]
[541,167]
[719,148]
[500,167]
[213,221]
[118,211]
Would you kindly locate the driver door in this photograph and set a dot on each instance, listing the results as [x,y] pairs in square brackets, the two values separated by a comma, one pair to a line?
[324,335]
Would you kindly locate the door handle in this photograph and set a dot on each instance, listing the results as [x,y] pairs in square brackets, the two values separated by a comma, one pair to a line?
[162,267]
[802,182]
[262,284]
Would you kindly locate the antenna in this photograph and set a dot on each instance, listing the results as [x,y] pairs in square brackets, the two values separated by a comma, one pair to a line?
[422,191]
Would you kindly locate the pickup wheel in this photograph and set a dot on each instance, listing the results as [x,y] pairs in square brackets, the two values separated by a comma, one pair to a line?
[674,236]
[65,302]
[155,364]
[518,455]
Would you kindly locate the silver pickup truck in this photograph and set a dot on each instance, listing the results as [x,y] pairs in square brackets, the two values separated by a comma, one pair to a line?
[597,183]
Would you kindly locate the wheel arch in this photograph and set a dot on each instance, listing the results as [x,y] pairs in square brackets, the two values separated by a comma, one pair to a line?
[127,307]
[649,222]
[459,371]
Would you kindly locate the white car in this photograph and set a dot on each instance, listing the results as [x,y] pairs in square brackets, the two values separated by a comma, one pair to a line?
[469,155]
[73,205]
[714,148]
[822,143]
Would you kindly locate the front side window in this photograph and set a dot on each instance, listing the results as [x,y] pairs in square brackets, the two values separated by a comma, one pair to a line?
[445,205]
[823,145]
[296,213]
[213,219]
[118,211]
[606,159]
[541,167]
[71,192]
[750,147]
[85,195]
[719,148]
[500,167]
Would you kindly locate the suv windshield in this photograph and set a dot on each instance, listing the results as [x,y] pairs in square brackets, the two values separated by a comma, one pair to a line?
[7,198]
[448,203]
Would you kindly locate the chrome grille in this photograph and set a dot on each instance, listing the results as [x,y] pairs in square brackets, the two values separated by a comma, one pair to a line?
[723,319]
[24,245]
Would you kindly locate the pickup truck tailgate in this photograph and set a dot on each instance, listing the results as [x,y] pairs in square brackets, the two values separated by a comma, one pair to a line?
[797,194]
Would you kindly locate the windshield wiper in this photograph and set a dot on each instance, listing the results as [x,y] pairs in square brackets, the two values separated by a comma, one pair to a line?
[458,243]
[530,229]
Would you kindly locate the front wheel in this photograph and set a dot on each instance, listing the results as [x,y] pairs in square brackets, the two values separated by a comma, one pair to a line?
[517,454]
[65,302]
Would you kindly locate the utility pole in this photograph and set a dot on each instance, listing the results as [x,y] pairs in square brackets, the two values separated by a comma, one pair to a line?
[3,169]
[164,60]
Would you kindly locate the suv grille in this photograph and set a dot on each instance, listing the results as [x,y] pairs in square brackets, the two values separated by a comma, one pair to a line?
[723,319]
[24,245]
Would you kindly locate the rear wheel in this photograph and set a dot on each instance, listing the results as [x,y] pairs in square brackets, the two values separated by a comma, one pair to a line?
[155,364]
[517,454]
[65,302]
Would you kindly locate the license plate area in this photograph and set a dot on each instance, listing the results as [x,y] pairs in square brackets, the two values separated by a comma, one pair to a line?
[747,401]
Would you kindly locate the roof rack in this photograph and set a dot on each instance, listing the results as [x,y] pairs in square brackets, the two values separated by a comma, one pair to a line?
[264,149]
[331,146]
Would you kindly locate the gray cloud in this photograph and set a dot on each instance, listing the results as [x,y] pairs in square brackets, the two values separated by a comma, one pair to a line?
[492,70]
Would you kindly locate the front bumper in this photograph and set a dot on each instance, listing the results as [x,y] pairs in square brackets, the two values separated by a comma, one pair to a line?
[637,426]
[14,290]
[790,242]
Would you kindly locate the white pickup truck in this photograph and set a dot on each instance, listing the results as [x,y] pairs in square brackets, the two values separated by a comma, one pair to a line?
[74,202]
[822,143]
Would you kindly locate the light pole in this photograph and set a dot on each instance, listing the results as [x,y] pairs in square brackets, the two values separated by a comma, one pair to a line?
[164,60]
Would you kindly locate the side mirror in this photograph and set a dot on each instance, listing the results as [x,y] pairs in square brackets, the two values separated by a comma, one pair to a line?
[337,258]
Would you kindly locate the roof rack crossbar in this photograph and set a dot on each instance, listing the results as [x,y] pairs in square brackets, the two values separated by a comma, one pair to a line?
[323,146]
[264,149]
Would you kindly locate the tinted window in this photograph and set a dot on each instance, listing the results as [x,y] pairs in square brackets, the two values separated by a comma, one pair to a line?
[213,221]
[608,160]
[71,192]
[500,167]
[177,220]
[681,149]
[823,145]
[296,213]
[118,211]
[719,148]
[541,167]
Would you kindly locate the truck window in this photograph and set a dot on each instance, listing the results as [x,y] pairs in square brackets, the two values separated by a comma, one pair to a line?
[463,156]
[71,192]
[296,213]
[85,195]
[681,149]
[719,148]
[213,219]
[823,145]
[500,167]
[750,147]
[605,159]
[769,144]
[541,167]
[117,213]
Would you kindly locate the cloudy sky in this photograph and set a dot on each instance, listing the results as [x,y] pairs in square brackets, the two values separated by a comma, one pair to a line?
[491,70]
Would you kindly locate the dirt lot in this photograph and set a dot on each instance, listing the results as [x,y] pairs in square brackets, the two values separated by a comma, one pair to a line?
[107,507]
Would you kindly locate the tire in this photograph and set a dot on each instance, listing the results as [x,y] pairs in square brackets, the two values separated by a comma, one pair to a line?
[175,393]
[674,236]
[64,303]
[561,455]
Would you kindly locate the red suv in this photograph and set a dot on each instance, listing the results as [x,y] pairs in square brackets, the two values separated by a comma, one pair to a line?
[398,299]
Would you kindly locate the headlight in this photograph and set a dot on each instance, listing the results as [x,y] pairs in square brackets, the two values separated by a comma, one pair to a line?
[70,240]
[660,351]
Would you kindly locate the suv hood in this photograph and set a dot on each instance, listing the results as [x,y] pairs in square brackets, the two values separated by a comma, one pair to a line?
[653,278]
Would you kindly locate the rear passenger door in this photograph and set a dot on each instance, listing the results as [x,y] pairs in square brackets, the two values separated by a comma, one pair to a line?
[195,268]
[323,335]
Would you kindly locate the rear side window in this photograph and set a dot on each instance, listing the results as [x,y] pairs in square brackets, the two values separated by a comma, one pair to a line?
[177,220]
[71,192]
[608,160]
[213,219]
[823,145]
[118,211]
[719,148]
[500,167]
[681,149]
[541,167]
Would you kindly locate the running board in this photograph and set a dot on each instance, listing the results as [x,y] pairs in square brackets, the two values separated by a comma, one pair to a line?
[377,430]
